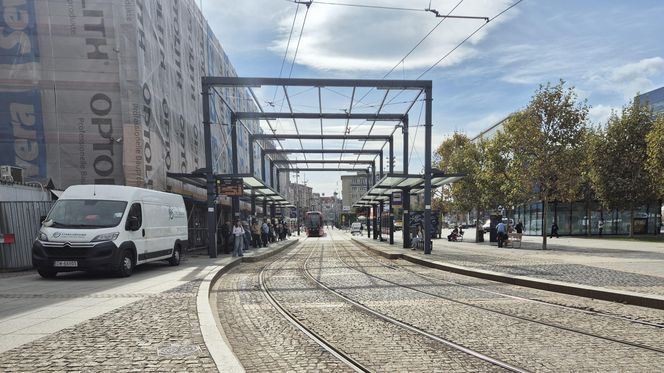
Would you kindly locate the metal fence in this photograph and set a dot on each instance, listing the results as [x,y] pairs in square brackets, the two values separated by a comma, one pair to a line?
[21,219]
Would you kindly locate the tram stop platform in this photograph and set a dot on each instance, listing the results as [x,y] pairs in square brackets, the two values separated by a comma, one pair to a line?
[612,268]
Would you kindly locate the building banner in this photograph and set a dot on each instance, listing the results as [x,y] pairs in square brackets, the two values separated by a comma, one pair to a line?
[109,92]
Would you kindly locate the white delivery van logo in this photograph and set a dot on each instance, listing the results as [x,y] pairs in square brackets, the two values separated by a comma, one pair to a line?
[171,213]
[56,234]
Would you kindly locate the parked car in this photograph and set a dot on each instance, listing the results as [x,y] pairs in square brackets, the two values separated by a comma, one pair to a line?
[356,228]
[110,228]
[487,226]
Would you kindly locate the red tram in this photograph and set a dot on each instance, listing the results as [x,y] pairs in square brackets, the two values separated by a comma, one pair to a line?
[313,224]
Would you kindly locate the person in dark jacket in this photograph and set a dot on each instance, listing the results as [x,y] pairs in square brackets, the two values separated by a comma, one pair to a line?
[554,230]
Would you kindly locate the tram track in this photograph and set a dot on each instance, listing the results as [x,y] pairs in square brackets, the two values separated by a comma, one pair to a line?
[391,320]
[506,314]
[309,332]
[329,346]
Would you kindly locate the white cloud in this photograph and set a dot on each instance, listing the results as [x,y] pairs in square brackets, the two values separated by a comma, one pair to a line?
[629,79]
[599,114]
[358,39]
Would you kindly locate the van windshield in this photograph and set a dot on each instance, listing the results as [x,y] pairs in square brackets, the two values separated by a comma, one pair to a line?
[86,214]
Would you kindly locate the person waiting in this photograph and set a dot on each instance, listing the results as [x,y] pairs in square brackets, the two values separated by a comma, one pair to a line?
[501,233]
[454,235]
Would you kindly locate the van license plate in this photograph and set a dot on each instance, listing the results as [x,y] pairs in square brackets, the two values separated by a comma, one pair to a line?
[65,263]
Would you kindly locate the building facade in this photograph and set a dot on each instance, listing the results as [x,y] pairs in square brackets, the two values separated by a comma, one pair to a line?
[353,187]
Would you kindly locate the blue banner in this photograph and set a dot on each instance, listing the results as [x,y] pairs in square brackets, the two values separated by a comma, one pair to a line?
[18,32]
[22,140]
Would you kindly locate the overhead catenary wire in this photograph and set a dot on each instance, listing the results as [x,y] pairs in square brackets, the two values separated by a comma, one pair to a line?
[403,59]
[467,38]
[283,60]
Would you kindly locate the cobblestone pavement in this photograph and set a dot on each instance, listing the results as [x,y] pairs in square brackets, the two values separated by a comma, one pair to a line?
[623,265]
[515,340]
[260,337]
[159,333]
[263,341]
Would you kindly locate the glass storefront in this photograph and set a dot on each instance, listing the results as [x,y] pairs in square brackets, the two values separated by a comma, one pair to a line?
[581,218]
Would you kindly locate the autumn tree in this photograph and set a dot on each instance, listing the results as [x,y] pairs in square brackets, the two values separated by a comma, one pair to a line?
[546,140]
[655,158]
[619,173]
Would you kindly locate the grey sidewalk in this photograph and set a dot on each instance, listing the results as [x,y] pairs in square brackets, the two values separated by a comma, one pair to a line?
[610,264]
[149,321]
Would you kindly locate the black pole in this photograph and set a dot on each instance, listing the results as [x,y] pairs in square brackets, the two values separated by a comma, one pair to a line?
[264,209]
[209,176]
[405,145]
[263,166]
[251,155]
[391,160]
[278,183]
[391,219]
[427,171]
[405,199]
[375,222]
[380,213]
[234,158]
[373,170]
[381,164]
[369,222]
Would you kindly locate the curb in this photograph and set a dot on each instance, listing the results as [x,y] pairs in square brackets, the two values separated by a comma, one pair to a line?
[265,255]
[216,343]
[208,317]
[620,296]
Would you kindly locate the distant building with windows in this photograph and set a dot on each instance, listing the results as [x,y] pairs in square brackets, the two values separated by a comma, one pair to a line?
[654,98]
[353,187]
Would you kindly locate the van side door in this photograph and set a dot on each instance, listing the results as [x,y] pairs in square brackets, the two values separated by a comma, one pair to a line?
[136,233]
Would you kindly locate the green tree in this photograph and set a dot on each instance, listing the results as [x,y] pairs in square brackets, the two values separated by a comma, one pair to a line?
[546,141]
[655,155]
[619,174]
[458,154]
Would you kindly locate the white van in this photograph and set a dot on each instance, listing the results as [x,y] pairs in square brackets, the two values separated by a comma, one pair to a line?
[110,228]
[356,228]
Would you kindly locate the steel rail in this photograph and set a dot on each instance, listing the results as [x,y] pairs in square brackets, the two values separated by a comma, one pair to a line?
[411,328]
[326,345]
[544,323]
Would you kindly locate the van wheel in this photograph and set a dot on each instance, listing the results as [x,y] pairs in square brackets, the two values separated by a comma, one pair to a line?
[126,265]
[47,273]
[175,259]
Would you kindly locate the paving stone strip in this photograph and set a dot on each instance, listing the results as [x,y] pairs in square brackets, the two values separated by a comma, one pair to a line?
[157,334]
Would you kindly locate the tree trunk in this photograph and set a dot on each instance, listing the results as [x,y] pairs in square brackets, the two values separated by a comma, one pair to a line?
[545,206]
[587,220]
[658,226]
[479,232]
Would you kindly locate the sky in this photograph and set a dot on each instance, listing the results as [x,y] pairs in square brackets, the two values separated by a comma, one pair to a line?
[609,50]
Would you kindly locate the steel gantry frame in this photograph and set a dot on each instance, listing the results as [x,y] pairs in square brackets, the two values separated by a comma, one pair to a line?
[419,86]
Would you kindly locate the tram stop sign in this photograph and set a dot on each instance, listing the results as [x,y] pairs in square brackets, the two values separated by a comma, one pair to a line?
[230,187]
[396,198]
